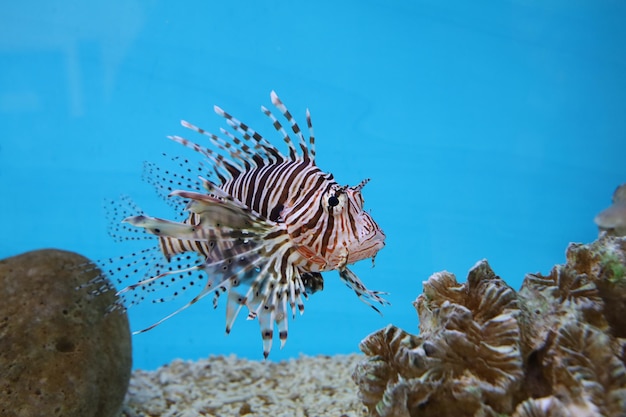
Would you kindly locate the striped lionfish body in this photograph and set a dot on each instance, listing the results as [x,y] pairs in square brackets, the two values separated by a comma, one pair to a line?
[266,230]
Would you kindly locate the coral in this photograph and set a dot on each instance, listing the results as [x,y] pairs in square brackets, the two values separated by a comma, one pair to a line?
[613,218]
[555,348]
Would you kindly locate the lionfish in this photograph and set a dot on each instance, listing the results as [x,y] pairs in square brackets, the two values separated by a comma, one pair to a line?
[262,234]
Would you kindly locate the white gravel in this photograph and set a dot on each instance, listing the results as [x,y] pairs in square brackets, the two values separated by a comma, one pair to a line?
[229,386]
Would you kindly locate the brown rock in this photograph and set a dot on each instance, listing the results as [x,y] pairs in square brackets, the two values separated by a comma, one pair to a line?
[60,355]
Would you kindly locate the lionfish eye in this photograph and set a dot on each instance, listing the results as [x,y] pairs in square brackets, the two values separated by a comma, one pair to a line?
[333,201]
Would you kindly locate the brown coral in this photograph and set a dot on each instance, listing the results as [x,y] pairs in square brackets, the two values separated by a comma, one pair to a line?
[553,349]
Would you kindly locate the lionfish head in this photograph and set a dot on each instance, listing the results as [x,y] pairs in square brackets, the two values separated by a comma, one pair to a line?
[364,238]
[339,232]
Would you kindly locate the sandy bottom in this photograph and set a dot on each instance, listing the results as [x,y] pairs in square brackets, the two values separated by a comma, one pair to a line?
[230,386]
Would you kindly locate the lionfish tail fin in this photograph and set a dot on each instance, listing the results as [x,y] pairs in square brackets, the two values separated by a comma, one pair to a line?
[272,305]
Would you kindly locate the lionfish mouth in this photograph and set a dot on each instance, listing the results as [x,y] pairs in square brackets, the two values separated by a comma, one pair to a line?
[376,240]
[370,243]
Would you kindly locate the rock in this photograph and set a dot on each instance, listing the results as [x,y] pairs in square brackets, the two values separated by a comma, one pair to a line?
[60,355]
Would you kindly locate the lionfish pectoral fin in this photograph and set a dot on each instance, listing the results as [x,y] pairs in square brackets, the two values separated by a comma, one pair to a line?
[233,306]
[225,275]
[161,227]
[268,298]
[266,322]
[365,295]
[217,212]
[273,310]
[110,270]
[116,211]
[250,280]
[169,316]
[281,319]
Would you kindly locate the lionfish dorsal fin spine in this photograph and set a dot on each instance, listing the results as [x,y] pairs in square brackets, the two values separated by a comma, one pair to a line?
[240,153]
[279,128]
[259,151]
[294,125]
[311,135]
[218,160]
[251,135]
[252,160]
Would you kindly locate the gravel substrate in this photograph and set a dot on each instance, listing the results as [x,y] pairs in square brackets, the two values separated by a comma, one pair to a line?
[230,386]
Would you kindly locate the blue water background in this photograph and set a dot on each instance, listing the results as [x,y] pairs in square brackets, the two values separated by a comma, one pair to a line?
[490,130]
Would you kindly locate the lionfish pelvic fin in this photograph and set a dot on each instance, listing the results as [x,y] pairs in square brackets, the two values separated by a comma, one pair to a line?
[367,296]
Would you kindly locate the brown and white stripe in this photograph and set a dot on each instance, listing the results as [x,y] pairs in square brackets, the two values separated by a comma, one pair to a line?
[271,225]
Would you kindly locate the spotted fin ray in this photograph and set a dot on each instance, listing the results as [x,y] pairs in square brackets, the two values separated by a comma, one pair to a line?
[245,255]
[262,233]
